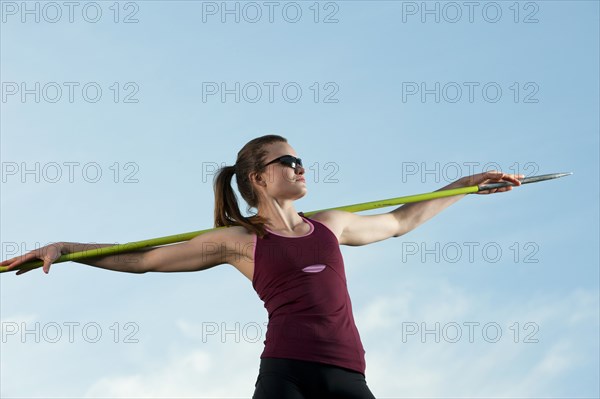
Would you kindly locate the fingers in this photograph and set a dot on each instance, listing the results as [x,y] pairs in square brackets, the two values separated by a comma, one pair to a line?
[26,270]
[46,266]
[495,176]
[7,262]
[514,179]
[11,263]
[19,272]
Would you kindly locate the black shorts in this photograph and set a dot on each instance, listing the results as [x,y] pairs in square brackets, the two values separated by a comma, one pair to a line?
[300,379]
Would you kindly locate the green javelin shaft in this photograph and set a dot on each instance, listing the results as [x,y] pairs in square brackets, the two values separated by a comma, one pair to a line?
[153,242]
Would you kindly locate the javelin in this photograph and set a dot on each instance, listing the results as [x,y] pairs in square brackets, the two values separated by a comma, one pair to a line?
[153,242]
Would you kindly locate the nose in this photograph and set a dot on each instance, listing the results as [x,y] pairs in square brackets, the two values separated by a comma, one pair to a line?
[299,170]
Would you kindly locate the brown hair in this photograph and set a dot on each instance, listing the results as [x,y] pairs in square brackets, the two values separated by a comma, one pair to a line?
[249,159]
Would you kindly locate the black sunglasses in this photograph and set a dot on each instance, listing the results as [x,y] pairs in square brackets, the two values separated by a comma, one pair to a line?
[288,160]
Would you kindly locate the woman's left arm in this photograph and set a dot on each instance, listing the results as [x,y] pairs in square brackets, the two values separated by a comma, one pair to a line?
[353,229]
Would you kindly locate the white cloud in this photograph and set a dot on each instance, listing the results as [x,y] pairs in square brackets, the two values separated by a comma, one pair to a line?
[218,370]
[418,366]
[194,364]
[19,318]
[179,376]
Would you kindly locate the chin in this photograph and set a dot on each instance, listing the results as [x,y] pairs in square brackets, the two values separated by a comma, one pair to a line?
[301,194]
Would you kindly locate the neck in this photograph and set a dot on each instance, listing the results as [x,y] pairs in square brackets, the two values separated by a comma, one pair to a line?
[280,215]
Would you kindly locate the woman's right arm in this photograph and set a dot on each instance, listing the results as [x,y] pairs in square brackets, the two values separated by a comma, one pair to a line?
[129,262]
[202,252]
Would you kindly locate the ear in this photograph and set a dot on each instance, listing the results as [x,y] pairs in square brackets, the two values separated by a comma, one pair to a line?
[257,178]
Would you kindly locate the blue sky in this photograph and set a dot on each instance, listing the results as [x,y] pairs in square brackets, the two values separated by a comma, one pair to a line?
[497,296]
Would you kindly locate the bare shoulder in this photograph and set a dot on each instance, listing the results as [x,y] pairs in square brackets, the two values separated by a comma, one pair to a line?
[239,244]
[237,239]
[230,244]
[352,229]
[236,233]
[335,220]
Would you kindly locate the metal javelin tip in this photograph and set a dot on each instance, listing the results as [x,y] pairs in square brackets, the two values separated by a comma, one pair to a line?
[535,179]
[525,180]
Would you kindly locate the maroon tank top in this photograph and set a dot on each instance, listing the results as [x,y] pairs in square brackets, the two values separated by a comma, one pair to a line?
[302,282]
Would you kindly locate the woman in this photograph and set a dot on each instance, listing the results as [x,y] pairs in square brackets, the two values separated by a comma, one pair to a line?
[312,347]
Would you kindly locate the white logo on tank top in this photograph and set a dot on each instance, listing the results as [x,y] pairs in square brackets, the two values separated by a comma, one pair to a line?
[314,268]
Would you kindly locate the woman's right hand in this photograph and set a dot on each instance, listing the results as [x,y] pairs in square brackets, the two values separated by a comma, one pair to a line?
[48,254]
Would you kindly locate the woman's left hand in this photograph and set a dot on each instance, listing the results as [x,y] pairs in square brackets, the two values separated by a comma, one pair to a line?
[492,176]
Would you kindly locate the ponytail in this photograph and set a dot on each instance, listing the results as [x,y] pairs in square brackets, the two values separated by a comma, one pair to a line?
[249,159]
[227,211]
[225,200]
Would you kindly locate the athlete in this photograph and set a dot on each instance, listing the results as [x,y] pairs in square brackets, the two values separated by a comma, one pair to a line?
[312,347]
